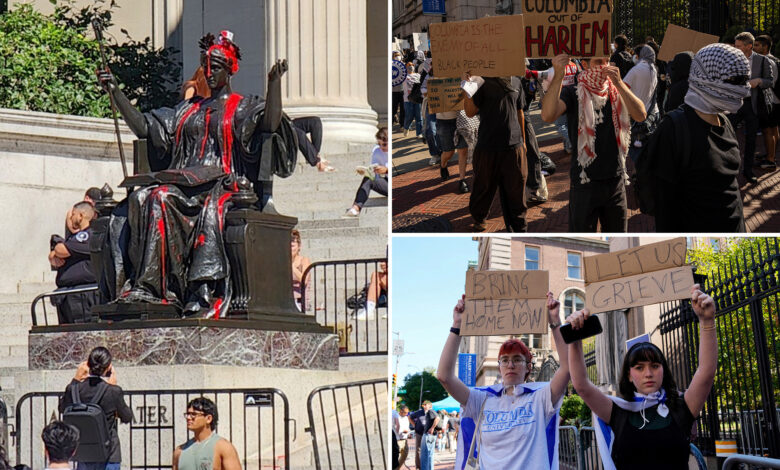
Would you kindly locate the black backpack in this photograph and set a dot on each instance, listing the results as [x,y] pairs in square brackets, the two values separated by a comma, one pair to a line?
[776,87]
[90,420]
[643,179]
[415,94]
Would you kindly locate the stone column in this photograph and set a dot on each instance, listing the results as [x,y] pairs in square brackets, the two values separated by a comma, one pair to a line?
[325,44]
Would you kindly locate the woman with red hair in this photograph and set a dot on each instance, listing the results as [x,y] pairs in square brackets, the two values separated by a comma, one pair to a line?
[513,424]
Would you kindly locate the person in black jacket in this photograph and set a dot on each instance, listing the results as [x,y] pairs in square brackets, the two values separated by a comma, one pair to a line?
[88,376]
[679,68]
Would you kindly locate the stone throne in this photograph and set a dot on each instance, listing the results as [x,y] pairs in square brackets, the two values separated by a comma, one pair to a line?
[257,244]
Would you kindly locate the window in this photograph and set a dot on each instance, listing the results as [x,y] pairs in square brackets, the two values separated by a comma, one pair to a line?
[531,257]
[573,265]
[532,341]
[572,302]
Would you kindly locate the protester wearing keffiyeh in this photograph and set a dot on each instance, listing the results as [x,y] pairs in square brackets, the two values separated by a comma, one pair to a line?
[718,79]
[593,90]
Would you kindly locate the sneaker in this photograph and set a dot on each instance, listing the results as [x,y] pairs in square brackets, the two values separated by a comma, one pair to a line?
[406,132]
[422,137]
[479,226]
[445,173]
[351,214]
[535,199]
[434,161]
[464,187]
[766,164]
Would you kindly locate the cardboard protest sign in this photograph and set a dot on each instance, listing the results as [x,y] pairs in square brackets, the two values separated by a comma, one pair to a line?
[420,41]
[643,275]
[641,289]
[505,302]
[444,94]
[679,39]
[638,260]
[488,47]
[577,28]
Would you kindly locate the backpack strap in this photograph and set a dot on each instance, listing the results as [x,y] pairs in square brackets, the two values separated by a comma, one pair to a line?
[101,390]
[74,393]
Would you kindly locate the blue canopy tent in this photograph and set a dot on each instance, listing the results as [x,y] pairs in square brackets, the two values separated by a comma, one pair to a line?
[448,404]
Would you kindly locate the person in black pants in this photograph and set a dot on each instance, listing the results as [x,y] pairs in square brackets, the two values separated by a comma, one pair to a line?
[377,181]
[310,148]
[89,376]
[499,156]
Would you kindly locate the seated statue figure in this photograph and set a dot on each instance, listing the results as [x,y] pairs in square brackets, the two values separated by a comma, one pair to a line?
[166,238]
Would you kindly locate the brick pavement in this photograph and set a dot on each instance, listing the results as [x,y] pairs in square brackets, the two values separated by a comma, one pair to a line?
[418,189]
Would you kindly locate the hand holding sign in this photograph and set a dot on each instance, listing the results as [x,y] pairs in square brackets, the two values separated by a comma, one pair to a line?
[457,312]
[553,309]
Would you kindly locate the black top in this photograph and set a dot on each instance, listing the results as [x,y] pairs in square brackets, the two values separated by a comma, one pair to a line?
[498,125]
[606,165]
[662,443]
[77,269]
[707,185]
[112,403]
[423,421]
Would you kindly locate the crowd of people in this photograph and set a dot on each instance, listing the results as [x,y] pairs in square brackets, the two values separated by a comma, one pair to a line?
[432,432]
[608,109]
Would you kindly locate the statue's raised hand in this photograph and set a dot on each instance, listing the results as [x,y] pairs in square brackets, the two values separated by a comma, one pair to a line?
[107,80]
[278,69]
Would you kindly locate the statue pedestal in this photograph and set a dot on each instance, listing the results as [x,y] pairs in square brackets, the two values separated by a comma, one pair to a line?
[244,343]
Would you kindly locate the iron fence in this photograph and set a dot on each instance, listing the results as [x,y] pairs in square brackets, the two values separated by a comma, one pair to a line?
[743,402]
[589,351]
[354,416]
[81,316]
[750,462]
[256,421]
[336,293]
[638,19]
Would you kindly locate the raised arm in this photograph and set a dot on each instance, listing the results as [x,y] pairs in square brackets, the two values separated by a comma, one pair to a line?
[635,106]
[592,396]
[446,371]
[272,116]
[135,119]
[701,384]
[560,379]
[552,104]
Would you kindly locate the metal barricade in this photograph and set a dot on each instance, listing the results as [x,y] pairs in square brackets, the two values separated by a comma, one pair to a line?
[569,454]
[256,421]
[336,294]
[348,424]
[82,316]
[750,462]
[754,436]
[591,460]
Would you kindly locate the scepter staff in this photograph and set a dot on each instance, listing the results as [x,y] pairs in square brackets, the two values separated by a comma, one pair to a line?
[99,37]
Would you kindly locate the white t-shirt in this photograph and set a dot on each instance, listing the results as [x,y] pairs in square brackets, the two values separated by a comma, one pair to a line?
[378,157]
[514,428]
[642,80]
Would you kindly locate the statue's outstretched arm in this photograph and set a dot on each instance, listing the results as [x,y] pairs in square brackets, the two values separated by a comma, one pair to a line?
[272,116]
[135,119]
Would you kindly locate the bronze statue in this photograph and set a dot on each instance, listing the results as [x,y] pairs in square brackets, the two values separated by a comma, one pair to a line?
[166,238]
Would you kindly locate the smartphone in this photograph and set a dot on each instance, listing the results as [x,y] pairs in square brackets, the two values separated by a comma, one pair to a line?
[592,327]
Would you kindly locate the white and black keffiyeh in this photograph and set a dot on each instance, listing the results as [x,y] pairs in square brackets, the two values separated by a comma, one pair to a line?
[715,71]
[466,129]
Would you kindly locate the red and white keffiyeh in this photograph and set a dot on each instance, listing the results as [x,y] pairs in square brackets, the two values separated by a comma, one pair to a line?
[593,90]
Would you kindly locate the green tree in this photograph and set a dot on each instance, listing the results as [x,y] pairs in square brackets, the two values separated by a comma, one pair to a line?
[432,388]
[48,63]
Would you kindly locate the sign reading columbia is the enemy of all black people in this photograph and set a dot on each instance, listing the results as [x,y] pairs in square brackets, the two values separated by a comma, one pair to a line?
[644,275]
[580,28]
[505,302]
[488,47]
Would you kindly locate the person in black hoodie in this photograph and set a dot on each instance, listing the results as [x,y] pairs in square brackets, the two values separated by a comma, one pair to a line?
[679,68]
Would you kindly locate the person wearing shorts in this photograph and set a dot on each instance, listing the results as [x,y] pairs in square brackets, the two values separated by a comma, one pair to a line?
[446,130]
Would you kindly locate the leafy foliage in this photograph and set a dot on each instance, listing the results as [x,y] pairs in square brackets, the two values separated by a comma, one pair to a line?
[48,63]
[433,390]
[575,412]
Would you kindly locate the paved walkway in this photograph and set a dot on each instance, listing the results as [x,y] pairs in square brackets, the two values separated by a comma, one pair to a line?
[418,192]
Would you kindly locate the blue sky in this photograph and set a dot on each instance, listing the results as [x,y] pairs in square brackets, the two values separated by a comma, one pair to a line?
[428,278]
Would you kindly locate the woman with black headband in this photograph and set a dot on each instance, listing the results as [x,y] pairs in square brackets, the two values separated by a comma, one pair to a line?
[649,425]
[175,229]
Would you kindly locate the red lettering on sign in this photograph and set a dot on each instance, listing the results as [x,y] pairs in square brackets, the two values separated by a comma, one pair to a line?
[563,38]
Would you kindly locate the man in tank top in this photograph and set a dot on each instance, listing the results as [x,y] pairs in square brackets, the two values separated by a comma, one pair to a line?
[206,450]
